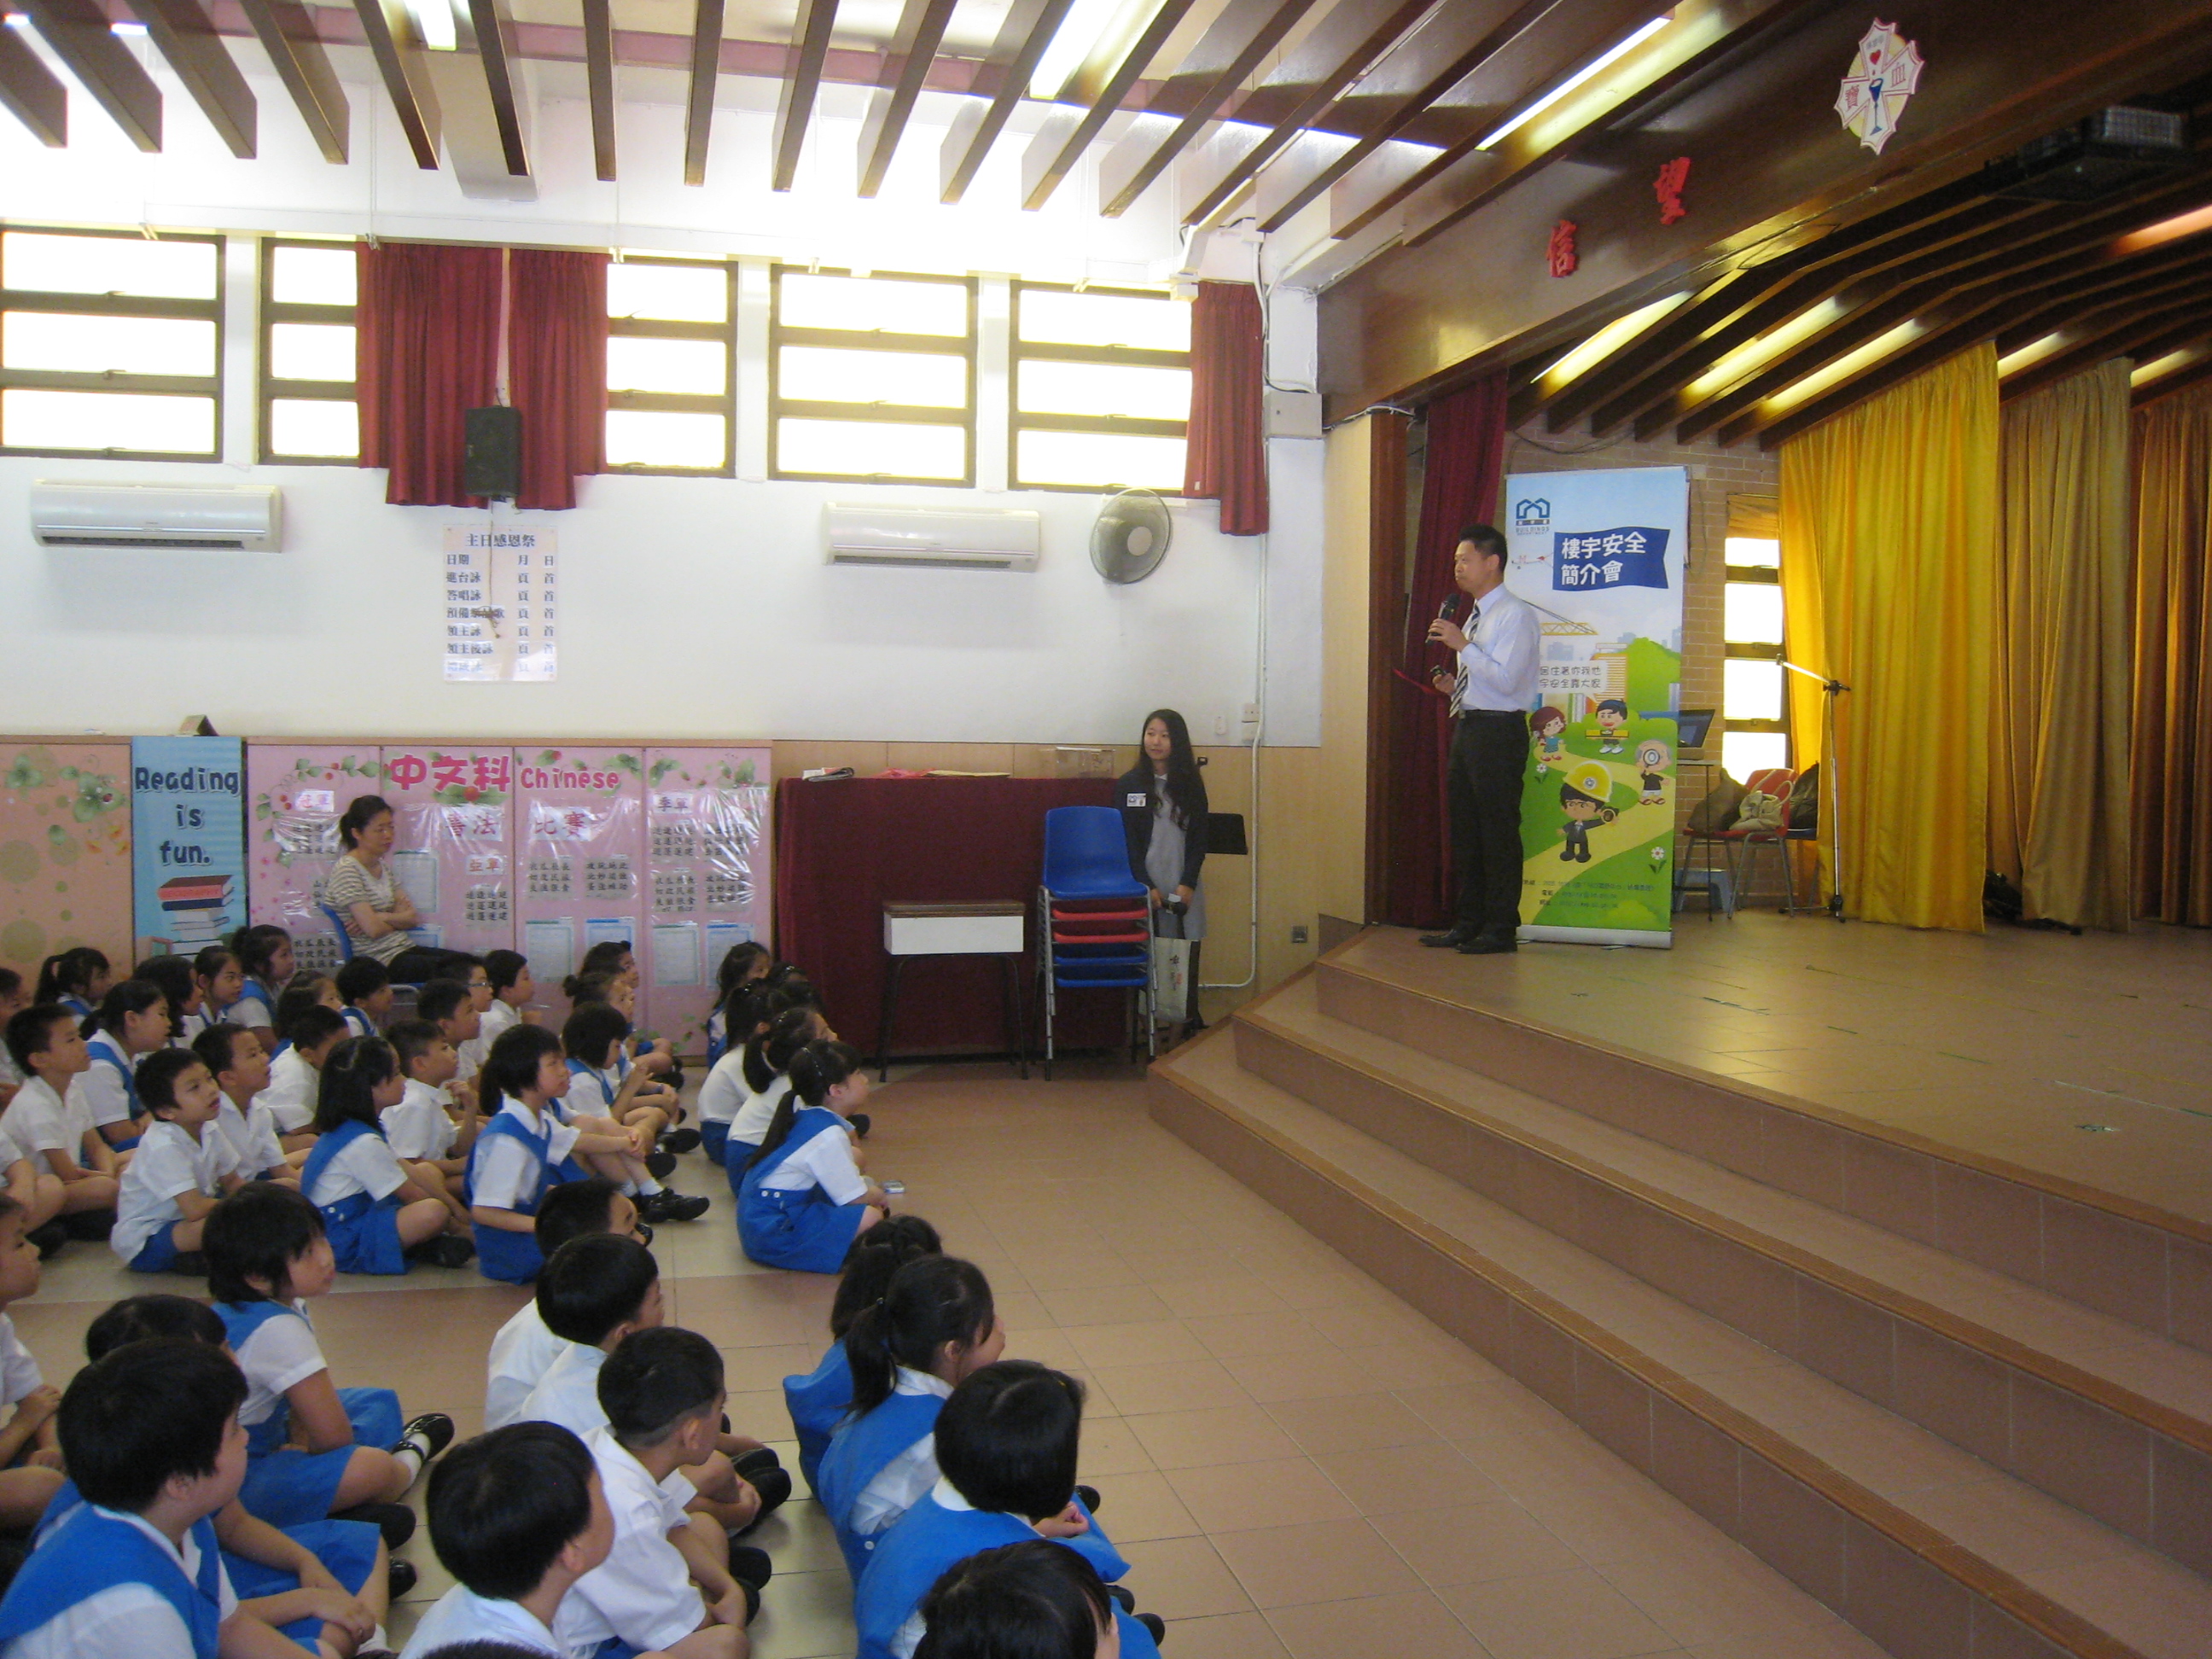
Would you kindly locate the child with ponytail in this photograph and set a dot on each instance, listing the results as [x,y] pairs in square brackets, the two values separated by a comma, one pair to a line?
[802,1198]
[819,1400]
[264,956]
[378,1215]
[742,964]
[133,1021]
[77,979]
[747,1012]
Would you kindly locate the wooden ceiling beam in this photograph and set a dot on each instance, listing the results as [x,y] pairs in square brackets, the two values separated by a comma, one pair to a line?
[2181,380]
[794,106]
[392,42]
[187,39]
[599,83]
[704,69]
[2145,335]
[494,32]
[78,32]
[1001,83]
[1234,45]
[287,33]
[1060,144]
[2058,312]
[906,67]
[30,92]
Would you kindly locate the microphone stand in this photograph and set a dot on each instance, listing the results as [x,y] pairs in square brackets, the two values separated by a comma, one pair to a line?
[1830,689]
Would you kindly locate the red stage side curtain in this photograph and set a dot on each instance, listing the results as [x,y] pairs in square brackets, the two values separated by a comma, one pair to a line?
[556,369]
[1227,456]
[1460,485]
[429,345]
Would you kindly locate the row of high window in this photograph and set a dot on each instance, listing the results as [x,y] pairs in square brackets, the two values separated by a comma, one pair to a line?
[111,344]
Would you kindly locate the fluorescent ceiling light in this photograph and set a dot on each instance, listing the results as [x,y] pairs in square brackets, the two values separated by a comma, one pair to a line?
[1085,25]
[19,20]
[1597,65]
[1757,354]
[126,28]
[434,21]
[2159,368]
[2166,230]
[1844,367]
[1609,339]
[2031,354]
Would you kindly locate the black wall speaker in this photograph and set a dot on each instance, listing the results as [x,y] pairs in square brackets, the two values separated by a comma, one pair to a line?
[491,461]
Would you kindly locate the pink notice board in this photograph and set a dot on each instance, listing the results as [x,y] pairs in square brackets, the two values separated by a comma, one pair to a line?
[580,820]
[706,880]
[294,794]
[454,850]
[65,850]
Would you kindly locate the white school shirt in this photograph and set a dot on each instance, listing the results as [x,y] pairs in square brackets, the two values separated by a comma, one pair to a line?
[255,1009]
[418,1126]
[19,1371]
[642,1591]
[168,1162]
[494,1020]
[756,1111]
[522,1352]
[124,1621]
[290,1096]
[103,1085]
[825,1161]
[461,1615]
[11,1152]
[1499,660]
[39,1120]
[906,1479]
[252,1134]
[363,1165]
[504,1169]
[281,1355]
[569,1393]
[471,1064]
[723,1091]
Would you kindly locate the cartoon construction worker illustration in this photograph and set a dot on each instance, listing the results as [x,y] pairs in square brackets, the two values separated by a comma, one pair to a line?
[1652,759]
[1581,797]
[1611,717]
[1547,726]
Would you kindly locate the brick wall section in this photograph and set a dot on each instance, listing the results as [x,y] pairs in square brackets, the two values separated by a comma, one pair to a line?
[1715,473]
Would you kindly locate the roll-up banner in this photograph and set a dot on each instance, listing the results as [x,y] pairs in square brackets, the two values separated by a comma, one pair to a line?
[1600,556]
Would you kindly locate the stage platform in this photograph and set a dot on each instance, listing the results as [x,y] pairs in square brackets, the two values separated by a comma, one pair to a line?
[1888,1253]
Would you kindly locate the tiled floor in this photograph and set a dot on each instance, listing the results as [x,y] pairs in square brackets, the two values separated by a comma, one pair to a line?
[1296,1465]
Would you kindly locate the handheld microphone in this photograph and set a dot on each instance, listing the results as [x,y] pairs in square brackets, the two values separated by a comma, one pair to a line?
[1444,611]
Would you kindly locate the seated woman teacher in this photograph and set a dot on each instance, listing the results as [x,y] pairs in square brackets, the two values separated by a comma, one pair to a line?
[374,907]
[1163,801]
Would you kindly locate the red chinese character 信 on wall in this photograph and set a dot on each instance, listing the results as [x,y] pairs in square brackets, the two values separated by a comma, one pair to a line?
[1667,187]
[1559,254]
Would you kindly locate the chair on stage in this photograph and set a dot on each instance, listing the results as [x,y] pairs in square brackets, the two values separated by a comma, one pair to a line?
[1743,843]
[1093,921]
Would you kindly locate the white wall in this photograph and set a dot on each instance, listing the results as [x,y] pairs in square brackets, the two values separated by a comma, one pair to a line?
[693,608]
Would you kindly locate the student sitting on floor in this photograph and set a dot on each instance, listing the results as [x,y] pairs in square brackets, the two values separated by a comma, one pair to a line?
[180,996]
[14,997]
[819,1400]
[1027,1601]
[133,1021]
[663,1397]
[1008,1442]
[517,1515]
[379,1216]
[364,986]
[765,1063]
[593,1292]
[50,1120]
[151,1437]
[426,1127]
[316,1450]
[724,1089]
[511,987]
[241,1071]
[934,1325]
[34,1190]
[449,1005]
[803,1200]
[327,1584]
[221,980]
[619,990]
[183,1163]
[742,966]
[29,1447]
[312,1029]
[607,1082]
[265,955]
[77,979]
[523,1351]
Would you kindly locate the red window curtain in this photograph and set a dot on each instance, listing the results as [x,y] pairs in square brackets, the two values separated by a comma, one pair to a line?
[1460,485]
[429,342]
[1227,455]
[556,373]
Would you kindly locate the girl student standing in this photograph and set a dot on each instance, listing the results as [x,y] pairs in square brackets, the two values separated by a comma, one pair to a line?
[1164,817]
[133,1021]
[376,1217]
[803,1199]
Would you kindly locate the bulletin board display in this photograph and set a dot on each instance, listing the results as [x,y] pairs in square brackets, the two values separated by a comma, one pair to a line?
[706,880]
[187,842]
[453,846]
[579,825]
[64,850]
[294,794]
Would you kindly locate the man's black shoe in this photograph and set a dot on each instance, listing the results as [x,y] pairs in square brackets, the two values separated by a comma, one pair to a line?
[1451,940]
[1490,944]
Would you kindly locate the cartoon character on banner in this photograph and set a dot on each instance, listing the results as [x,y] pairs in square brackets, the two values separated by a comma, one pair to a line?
[1581,797]
[1652,758]
[1546,727]
[1612,720]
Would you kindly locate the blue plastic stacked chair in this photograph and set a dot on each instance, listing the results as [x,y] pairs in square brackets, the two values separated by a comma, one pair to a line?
[1092,915]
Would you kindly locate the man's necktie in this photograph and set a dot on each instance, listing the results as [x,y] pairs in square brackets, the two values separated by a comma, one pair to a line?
[1459,679]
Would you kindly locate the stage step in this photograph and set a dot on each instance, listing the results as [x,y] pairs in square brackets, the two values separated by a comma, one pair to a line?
[2084,1407]
[1932,1552]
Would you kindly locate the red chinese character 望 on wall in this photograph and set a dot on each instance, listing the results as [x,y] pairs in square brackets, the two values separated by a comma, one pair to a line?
[1673,176]
[1559,254]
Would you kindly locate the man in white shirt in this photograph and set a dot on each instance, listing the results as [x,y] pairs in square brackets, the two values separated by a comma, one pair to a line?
[1492,689]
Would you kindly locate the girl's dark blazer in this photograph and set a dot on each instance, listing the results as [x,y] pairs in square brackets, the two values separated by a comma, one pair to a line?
[1137,824]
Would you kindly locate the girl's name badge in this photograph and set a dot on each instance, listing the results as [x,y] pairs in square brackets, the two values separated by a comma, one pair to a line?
[1135,798]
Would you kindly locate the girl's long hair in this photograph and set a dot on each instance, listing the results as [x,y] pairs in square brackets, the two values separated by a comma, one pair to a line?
[1186,790]
[931,1301]
[817,1069]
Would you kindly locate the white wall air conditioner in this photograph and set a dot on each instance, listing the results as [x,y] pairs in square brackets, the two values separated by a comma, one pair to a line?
[967,540]
[238,518]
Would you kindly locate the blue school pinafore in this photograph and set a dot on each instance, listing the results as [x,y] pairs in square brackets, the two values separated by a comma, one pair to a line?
[90,1552]
[514,1258]
[801,1230]
[930,1539]
[860,1449]
[364,1232]
[106,1051]
[818,1402]
[285,1486]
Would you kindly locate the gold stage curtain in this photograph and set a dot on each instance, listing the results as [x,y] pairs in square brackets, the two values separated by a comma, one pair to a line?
[1889,554]
[2173,792]
[2058,757]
